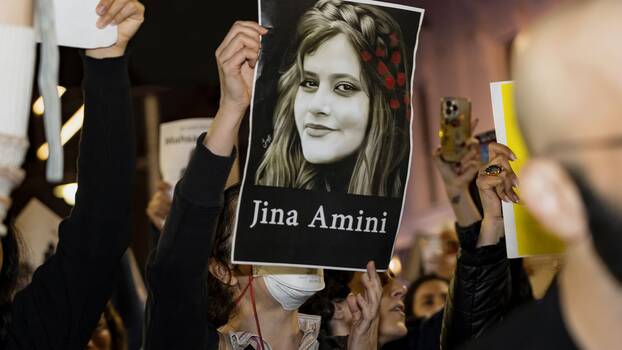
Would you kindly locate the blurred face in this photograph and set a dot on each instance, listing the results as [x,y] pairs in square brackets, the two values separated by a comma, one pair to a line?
[439,254]
[430,298]
[331,107]
[101,339]
[392,316]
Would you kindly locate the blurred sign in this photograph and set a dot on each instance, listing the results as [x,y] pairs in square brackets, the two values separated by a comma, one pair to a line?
[524,236]
[38,228]
[177,141]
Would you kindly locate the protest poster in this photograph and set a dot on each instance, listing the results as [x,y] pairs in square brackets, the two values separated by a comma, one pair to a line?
[76,25]
[524,236]
[177,141]
[330,134]
[38,228]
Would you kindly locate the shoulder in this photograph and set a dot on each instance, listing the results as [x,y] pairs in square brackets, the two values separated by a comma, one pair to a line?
[536,325]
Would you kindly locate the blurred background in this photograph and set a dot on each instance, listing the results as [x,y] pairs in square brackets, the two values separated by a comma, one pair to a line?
[464,45]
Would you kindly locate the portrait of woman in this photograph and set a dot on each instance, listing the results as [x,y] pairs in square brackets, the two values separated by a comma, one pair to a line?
[341,121]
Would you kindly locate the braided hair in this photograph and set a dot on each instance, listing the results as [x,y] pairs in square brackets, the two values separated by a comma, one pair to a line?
[379,162]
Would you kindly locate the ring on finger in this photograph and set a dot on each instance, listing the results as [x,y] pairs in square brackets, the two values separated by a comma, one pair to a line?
[493,170]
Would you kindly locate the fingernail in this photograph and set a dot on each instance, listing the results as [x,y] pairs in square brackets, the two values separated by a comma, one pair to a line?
[100,9]
[100,23]
[513,157]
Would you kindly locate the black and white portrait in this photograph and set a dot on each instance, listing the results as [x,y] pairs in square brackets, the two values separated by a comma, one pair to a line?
[331,116]
[341,117]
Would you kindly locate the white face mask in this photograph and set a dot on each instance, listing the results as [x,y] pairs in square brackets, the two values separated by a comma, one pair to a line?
[290,286]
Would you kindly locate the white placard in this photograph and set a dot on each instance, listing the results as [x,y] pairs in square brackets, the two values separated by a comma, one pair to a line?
[76,25]
[38,228]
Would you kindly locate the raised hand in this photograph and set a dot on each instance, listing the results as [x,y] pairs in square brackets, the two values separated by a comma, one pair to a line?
[127,15]
[496,182]
[236,57]
[160,205]
[365,311]
[458,176]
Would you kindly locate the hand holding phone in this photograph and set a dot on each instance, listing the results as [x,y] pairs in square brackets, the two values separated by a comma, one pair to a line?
[455,128]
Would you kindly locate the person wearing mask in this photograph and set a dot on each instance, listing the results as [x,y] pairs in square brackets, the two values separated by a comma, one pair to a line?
[60,308]
[197,298]
[568,84]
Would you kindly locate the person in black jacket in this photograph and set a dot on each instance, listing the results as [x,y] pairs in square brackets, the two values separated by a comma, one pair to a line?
[60,308]
[485,286]
[568,91]
[197,298]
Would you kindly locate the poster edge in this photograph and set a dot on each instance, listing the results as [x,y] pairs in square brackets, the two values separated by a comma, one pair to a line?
[410,130]
[248,150]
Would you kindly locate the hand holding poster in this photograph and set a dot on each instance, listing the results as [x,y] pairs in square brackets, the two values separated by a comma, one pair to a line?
[329,148]
[523,235]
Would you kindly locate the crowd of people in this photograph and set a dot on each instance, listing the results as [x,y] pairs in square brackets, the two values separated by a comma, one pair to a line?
[464,291]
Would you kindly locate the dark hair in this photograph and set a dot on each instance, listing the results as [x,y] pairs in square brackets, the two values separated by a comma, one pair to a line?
[412,290]
[221,302]
[321,303]
[8,277]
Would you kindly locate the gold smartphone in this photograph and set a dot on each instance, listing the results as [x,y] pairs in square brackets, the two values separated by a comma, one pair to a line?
[455,129]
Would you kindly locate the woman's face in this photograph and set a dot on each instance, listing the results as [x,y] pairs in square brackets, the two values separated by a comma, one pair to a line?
[392,316]
[332,105]
[430,298]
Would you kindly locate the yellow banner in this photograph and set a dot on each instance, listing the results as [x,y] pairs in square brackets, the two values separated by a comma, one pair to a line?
[524,235]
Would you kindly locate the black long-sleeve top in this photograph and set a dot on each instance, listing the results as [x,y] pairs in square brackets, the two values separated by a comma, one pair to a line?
[176,316]
[485,288]
[62,305]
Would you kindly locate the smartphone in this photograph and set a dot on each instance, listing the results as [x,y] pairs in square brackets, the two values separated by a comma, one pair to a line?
[455,128]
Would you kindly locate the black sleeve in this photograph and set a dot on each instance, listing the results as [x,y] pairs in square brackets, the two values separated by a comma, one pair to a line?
[127,300]
[176,272]
[482,290]
[62,305]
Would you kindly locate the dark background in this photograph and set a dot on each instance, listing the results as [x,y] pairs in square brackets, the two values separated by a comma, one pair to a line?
[277,243]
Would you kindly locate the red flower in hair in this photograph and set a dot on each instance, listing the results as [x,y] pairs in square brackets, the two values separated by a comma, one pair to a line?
[382,68]
[394,39]
[380,51]
[401,79]
[394,104]
[396,58]
[389,82]
[366,56]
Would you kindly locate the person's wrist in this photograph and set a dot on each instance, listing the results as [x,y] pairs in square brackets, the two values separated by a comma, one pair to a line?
[457,195]
[491,231]
[117,50]
[231,114]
